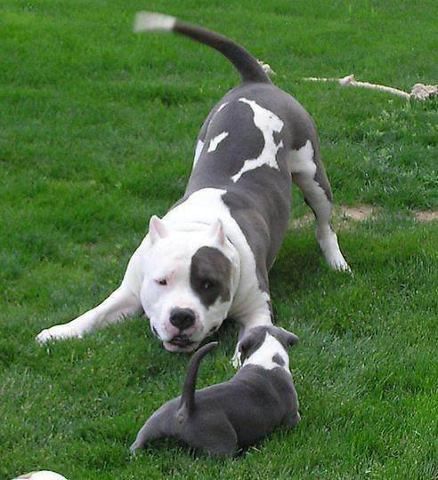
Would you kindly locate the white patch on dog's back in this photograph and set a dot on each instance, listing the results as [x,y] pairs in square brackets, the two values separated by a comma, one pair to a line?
[214,142]
[221,107]
[268,123]
[198,150]
[263,355]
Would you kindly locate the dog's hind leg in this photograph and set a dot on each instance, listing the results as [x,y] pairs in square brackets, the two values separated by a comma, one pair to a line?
[152,430]
[217,437]
[308,173]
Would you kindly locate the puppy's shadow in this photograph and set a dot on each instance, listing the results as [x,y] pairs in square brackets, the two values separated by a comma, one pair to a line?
[174,448]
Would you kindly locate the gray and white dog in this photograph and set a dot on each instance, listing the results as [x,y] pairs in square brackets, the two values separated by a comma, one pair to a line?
[223,418]
[208,258]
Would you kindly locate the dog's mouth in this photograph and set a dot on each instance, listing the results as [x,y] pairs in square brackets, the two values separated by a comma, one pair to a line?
[180,343]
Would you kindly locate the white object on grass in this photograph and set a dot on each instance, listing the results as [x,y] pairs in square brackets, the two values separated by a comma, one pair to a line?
[41,475]
[419,91]
[266,67]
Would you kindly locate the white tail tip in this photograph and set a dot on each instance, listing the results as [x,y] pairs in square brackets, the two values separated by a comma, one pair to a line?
[153,22]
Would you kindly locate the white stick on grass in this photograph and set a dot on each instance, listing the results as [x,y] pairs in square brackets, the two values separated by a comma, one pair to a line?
[419,91]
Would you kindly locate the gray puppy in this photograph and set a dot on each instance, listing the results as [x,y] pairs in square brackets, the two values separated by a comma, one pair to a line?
[223,418]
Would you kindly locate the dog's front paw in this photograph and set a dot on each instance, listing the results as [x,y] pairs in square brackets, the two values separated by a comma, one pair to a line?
[58,332]
[236,361]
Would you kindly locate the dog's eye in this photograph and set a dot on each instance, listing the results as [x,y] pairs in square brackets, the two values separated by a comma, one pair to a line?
[207,284]
[162,282]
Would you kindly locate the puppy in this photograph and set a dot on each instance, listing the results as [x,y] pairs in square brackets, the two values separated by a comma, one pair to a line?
[223,418]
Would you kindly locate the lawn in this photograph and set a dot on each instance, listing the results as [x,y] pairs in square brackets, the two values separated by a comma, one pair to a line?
[97,130]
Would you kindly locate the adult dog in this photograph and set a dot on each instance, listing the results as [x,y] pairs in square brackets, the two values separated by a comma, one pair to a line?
[209,257]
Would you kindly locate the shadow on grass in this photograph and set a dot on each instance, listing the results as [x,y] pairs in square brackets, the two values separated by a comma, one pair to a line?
[298,266]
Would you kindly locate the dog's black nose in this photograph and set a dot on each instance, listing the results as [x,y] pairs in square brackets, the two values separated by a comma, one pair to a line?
[182,318]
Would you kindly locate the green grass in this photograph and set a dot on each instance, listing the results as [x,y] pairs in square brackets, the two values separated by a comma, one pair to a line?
[97,129]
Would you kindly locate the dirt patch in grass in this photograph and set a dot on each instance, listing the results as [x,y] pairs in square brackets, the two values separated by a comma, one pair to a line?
[426,216]
[358,213]
[343,216]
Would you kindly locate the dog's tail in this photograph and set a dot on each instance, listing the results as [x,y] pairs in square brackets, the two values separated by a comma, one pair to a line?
[188,395]
[249,68]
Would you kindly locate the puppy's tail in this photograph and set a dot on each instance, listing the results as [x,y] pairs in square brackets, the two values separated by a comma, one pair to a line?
[187,404]
[249,68]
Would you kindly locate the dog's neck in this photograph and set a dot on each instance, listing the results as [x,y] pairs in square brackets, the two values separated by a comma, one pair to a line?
[270,355]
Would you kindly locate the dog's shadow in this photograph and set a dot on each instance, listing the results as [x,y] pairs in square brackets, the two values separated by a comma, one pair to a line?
[298,266]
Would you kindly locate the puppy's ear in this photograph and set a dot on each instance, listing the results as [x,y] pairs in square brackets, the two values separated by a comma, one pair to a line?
[288,338]
[217,232]
[244,347]
[157,229]
[251,341]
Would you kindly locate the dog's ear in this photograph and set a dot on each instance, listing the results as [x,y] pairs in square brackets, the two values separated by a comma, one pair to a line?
[288,338]
[217,232]
[157,229]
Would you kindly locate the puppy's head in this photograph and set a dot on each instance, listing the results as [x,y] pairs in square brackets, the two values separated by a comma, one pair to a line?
[265,337]
[189,282]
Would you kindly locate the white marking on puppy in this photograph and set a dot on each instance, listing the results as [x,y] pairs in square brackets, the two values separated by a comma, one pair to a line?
[268,123]
[263,355]
[198,150]
[214,142]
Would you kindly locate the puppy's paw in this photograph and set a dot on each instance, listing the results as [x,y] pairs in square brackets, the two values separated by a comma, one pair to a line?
[133,449]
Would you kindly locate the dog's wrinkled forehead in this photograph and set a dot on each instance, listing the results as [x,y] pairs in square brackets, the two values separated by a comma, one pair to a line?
[254,339]
[210,275]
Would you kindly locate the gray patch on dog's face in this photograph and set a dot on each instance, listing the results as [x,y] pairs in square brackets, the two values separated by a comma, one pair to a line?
[278,360]
[210,275]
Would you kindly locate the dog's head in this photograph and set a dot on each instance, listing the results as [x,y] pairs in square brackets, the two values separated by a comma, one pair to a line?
[189,283]
[272,340]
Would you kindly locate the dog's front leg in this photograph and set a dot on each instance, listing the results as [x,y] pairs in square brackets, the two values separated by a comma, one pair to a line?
[122,303]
